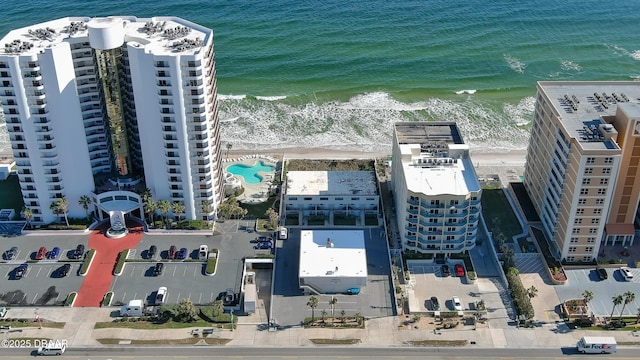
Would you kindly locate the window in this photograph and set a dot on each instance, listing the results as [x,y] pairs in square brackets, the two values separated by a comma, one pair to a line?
[606,170]
[602,191]
[586,181]
[608,160]
[571,258]
[588,170]
[326,198]
[591,160]
[604,181]
[575,231]
[293,198]
[599,201]
[586,258]
[591,240]
[577,221]
[582,201]
[589,249]
[307,199]
[597,211]
[572,249]
[574,240]
[593,230]
[339,198]
[584,191]
[580,211]
[595,221]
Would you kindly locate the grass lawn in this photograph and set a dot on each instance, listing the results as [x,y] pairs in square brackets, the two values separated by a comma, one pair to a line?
[499,215]
[255,211]
[144,325]
[187,341]
[10,194]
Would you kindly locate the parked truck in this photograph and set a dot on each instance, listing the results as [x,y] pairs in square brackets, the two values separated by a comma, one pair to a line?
[134,308]
[597,345]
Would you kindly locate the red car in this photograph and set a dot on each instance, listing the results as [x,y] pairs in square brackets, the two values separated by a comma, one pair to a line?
[42,252]
[459,270]
[172,252]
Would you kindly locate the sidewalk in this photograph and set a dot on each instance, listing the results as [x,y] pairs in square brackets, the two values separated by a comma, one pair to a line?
[381,332]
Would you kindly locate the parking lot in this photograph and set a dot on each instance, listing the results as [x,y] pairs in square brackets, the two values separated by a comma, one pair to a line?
[580,280]
[375,299]
[41,285]
[430,281]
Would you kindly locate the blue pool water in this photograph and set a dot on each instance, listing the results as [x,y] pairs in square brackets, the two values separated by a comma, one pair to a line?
[250,173]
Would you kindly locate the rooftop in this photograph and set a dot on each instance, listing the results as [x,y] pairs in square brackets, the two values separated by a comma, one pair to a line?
[332,253]
[160,35]
[583,107]
[331,183]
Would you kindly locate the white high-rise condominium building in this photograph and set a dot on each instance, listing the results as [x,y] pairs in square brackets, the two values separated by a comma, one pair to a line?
[436,190]
[105,107]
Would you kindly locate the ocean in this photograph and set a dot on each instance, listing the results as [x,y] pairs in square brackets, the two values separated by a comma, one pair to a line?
[338,74]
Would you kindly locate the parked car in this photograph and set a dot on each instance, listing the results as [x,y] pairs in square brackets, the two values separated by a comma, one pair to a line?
[203,252]
[353,291]
[151,253]
[41,253]
[172,252]
[64,270]
[53,254]
[626,273]
[457,304]
[161,295]
[263,246]
[182,254]
[602,273]
[21,271]
[79,253]
[157,270]
[229,297]
[459,270]
[265,239]
[11,253]
[435,305]
[446,271]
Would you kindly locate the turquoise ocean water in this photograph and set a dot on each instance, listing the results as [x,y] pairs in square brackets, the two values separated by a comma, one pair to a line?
[339,73]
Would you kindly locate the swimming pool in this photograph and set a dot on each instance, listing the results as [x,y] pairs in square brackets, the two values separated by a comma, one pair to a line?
[250,173]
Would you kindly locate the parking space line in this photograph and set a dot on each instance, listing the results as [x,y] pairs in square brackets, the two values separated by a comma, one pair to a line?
[124,296]
[178,298]
[211,298]
[200,299]
[34,298]
[174,271]
[184,272]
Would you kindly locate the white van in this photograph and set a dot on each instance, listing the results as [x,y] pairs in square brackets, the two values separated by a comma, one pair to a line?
[52,350]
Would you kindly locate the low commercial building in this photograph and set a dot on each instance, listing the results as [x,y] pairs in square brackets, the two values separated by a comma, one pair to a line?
[332,261]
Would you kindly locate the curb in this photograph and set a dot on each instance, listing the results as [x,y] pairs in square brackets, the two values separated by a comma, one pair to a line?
[93,256]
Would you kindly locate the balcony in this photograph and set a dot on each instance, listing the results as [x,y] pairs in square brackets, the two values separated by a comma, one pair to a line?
[50,163]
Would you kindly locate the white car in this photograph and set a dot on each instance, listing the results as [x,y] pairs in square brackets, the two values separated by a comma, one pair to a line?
[626,273]
[457,304]
[161,295]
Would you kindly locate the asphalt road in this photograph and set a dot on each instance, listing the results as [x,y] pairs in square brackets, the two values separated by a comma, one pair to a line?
[208,352]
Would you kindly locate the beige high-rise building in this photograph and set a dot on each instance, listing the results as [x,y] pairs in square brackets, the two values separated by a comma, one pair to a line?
[582,165]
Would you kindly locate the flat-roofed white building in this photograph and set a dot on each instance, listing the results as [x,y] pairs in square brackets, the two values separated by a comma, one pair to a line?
[331,193]
[332,261]
[436,189]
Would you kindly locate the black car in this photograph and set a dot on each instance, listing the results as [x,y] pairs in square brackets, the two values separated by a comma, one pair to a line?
[229,297]
[602,273]
[11,253]
[446,271]
[435,305]
[79,252]
[151,253]
[157,270]
[64,270]
[21,271]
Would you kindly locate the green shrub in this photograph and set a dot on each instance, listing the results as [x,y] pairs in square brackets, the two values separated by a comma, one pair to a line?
[87,262]
[448,314]
[107,298]
[122,257]
[70,298]
[471,275]
[519,294]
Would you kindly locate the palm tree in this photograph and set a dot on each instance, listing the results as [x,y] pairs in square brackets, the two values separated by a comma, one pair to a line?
[218,308]
[532,292]
[63,206]
[629,297]
[323,313]
[150,207]
[332,303]
[587,296]
[164,207]
[617,300]
[178,209]
[312,303]
[343,315]
[146,195]
[85,201]
[28,214]
[206,208]
[229,146]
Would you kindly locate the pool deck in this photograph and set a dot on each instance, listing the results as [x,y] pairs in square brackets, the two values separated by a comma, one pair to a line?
[254,193]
